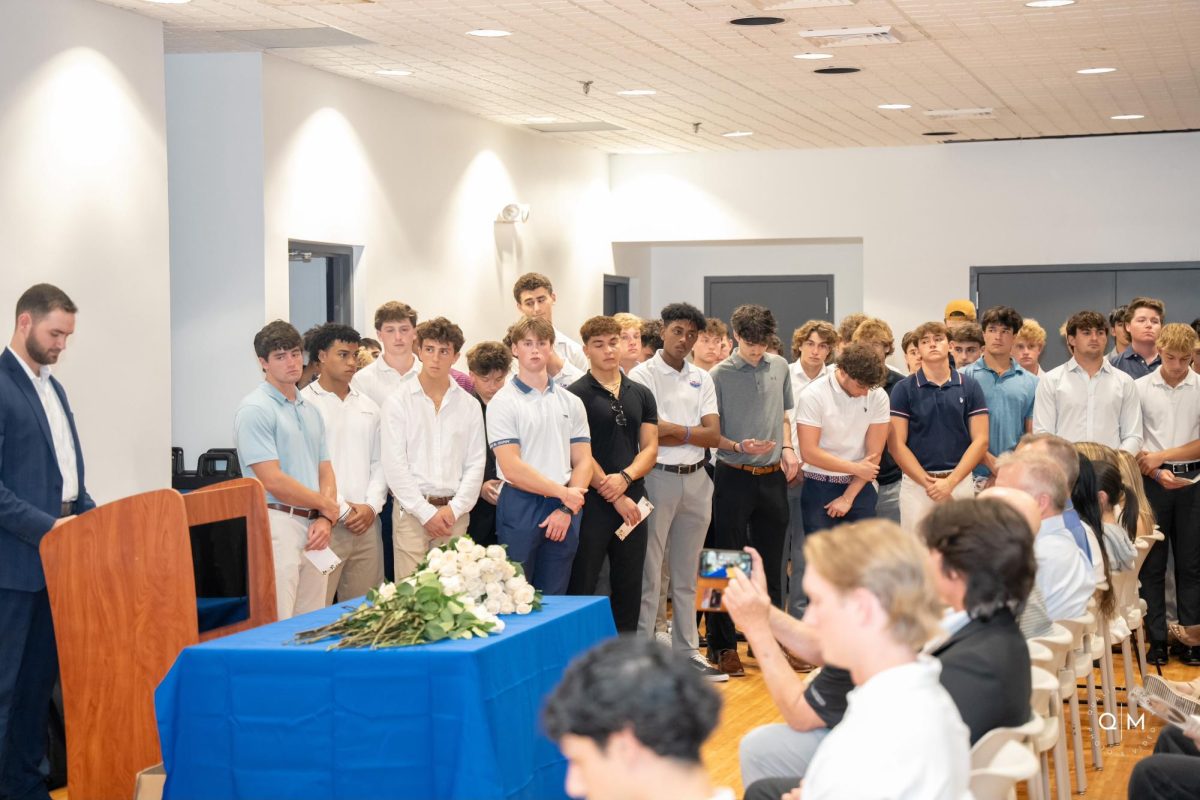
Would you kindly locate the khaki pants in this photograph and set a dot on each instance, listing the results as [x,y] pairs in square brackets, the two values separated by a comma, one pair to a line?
[299,587]
[410,540]
[362,562]
[915,504]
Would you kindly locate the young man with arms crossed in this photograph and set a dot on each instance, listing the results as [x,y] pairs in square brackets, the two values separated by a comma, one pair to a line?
[756,461]
[1143,320]
[536,298]
[939,429]
[678,485]
[433,449]
[878,335]
[709,350]
[1007,387]
[280,437]
[539,433]
[352,436]
[623,424]
[489,363]
[1087,399]
[1170,460]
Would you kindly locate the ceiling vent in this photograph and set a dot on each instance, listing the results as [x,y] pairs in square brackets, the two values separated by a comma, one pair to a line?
[796,5]
[281,38]
[852,37]
[573,127]
[962,113]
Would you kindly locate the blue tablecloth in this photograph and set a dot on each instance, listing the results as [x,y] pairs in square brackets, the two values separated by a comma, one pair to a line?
[253,716]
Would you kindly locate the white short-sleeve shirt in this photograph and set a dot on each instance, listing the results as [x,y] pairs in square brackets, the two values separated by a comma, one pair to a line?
[683,396]
[843,419]
[544,424]
[379,381]
[1170,416]
[352,436]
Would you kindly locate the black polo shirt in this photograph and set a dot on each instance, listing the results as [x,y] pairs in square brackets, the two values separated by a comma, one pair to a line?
[615,446]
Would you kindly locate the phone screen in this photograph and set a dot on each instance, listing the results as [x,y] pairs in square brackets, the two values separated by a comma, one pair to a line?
[716,568]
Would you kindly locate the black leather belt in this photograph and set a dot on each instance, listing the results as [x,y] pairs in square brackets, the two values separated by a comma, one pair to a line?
[306,513]
[681,469]
[1181,469]
[67,509]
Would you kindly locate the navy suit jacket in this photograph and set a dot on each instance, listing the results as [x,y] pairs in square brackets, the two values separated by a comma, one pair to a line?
[30,482]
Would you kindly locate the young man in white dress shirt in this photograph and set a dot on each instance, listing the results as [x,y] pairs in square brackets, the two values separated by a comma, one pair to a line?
[433,453]
[1170,461]
[1087,399]
[396,327]
[539,433]
[536,298]
[352,436]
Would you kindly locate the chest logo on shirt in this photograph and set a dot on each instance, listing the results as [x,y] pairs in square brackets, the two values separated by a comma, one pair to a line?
[694,384]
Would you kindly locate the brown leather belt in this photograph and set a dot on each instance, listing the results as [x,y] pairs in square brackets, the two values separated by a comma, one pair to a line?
[680,469]
[306,513]
[67,509]
[767,470]
[439,501]
[939,475]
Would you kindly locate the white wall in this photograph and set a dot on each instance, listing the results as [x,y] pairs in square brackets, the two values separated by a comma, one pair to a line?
[927,214]
[83,205]
[215,152]
[419,186]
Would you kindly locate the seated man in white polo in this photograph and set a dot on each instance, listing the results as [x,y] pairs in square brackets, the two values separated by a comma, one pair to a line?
[280,438]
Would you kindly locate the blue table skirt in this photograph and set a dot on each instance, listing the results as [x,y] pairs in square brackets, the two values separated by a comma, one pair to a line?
[254,716]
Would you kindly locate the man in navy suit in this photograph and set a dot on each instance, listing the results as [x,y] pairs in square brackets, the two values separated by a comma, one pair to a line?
[41,486]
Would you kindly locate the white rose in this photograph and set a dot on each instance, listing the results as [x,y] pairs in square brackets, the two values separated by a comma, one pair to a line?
[492,605]
[470,570]
[513,585]
[524,608]
[448,569]
[475,588]
[508,570]
[497,553]
[436,557]
[452,585]
[493,589]
[499,623]
[524,595]
[387,591]
[450,557]
[506,605]
[478,552]
[464,545]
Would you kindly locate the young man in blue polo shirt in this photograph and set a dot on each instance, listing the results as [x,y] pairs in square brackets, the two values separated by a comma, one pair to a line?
[280,438]
[1008,388]
[1143,320]
[939,429]
[539,433]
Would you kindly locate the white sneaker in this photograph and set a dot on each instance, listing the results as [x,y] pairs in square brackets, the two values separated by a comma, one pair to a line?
[707,670]
[663,637]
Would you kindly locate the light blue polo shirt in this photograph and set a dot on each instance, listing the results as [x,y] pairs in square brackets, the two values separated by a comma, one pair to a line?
[269,427]
[1010,402]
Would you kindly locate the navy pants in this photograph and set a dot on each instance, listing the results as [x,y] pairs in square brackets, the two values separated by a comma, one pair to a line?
[28,669]
[547,564]
[817,494]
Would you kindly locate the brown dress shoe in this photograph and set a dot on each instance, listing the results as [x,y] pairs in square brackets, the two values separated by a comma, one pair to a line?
[798,664]
[730,664]
[1186,634]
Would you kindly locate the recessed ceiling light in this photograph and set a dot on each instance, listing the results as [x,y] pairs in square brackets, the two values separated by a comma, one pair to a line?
[813,56]
[1095,70]
[487,33]
[756,21]
[836,70]
[393,73]
[940,133]
[1050,3]
[738,134]
[894,106]
[540,120]
[1129,116]
[637,92]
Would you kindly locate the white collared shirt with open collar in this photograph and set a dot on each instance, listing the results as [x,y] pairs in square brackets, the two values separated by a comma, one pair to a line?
[379,381]
[60,428]
[683,396]
[571,352]
[352,437]
[544,424]
[1170,415]
[1101,408]
[429,452]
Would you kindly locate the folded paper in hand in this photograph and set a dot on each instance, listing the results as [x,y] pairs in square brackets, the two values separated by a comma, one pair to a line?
[644,508]
[325,560]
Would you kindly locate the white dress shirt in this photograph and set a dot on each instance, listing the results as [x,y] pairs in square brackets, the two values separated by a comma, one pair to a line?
[433,453]
[1064,573]
[352,438]
[843,420]
[60,428]
[901,737]
[379,381]
[1100,408]
[1170,416]
[683,396]
[570,351]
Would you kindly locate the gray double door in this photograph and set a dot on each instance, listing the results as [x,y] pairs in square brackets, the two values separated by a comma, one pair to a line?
[793,299]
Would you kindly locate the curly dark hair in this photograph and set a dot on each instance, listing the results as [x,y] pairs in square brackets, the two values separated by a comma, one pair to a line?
[440,329]
[860,363]
[1007,316]
[530,282]
[685,312]
[322,337]
[598,326]
[652,334]
[989,544]
[276,335]
[968,332]
[488,357]
[635,684]
[753,324]
[1086,320]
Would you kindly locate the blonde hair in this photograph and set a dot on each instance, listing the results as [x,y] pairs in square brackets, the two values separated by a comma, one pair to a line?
[873,329]
[627,321]
[1094,451]
[1131,476]
[1176,338]
[364,357]
[1032,332]
[890,563]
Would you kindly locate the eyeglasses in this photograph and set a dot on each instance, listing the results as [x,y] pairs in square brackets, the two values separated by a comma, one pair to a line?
[619,413]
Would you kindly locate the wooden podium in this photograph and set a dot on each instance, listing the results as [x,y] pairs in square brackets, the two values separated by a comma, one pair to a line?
[122,592]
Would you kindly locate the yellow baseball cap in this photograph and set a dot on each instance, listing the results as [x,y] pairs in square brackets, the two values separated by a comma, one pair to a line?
[960,308]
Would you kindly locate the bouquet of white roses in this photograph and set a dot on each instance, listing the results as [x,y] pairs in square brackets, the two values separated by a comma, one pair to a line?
[457,592]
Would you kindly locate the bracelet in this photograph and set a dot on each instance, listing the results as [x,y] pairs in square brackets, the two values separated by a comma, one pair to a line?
[687,433]
[789,447]
[625,475]
[737,447]
[566,510]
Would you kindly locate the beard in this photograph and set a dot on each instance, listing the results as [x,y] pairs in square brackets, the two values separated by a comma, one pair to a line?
[39,354]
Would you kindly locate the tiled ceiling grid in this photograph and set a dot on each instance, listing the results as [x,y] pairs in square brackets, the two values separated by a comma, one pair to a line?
[956,54]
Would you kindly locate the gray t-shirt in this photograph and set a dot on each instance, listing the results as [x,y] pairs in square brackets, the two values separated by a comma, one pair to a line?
[751,401]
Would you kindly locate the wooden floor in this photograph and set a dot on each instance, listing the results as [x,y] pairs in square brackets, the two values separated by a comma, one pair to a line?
[747,704]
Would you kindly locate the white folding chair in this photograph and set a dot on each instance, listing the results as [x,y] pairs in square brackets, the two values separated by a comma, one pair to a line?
[1012,762]
[1079,665]
[1059,642]
[1044,702]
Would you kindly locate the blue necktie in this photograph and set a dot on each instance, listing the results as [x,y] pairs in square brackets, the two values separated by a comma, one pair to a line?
[1075,526]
